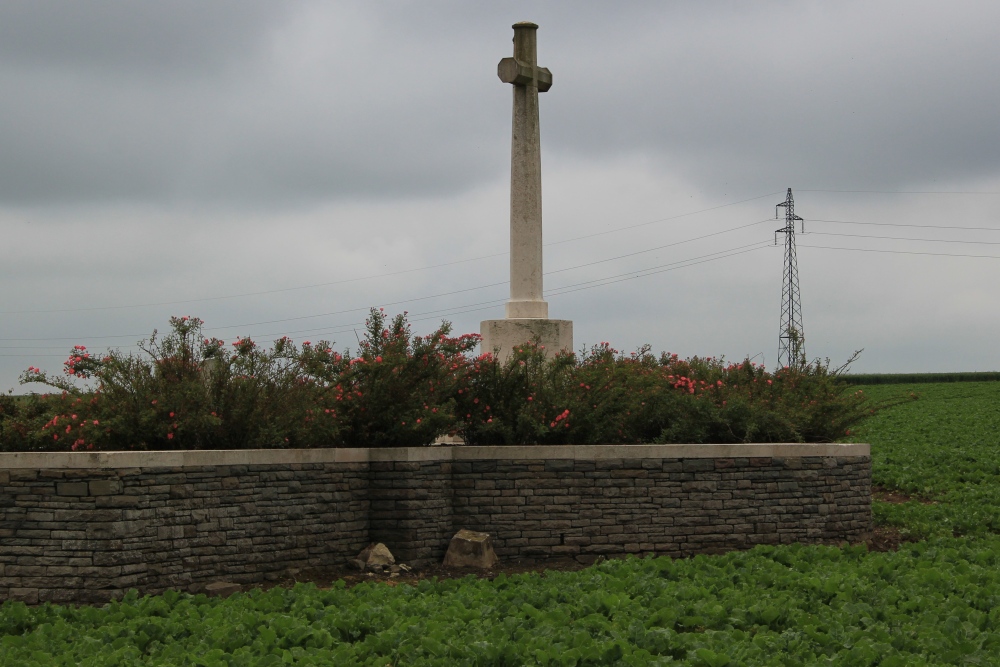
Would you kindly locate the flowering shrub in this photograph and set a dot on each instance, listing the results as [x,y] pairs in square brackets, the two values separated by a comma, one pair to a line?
[604,397]
[186,391]
[399,391]
[183,391]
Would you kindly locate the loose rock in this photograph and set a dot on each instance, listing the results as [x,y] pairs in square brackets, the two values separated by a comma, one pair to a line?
[222,589]
[471,549]
[374,558]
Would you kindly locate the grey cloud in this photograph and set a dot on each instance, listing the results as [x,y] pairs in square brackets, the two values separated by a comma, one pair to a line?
[276,104]
[356,124]
[843,96]
[138,38]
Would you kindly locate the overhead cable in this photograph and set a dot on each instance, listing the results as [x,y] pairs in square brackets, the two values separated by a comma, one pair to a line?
[370,277]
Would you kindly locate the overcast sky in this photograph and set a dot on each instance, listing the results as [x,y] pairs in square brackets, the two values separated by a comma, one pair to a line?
[279,167]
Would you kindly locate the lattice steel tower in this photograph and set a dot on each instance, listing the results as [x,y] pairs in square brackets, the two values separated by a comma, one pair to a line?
[791,339]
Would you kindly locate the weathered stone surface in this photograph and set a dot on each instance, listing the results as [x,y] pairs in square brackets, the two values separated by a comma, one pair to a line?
[307,512]
[71,489]
[105,487]
[374,558]
[502,336]
[469,548]
[222,589]
[527,311]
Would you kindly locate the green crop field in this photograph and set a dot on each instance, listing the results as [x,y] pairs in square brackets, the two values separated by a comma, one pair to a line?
[929,603]
[920,378]
[942,449]
[933,602]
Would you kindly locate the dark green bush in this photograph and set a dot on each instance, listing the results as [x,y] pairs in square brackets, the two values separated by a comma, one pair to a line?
[185,391]
[603,397]
[920,378]
[399,391]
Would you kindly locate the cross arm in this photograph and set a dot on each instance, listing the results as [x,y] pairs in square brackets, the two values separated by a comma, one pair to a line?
[510,70]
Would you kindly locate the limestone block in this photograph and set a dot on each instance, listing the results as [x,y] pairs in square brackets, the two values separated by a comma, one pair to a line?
[106,487]
[502,336]
[71,489]
[471,549]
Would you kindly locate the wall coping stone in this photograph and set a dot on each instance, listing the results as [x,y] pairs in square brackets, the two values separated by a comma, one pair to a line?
[225,457]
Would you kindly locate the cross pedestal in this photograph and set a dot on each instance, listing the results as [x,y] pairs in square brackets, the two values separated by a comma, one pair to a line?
[527,312]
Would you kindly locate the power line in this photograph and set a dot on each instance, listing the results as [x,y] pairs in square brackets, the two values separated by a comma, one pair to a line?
[903,238]
[246,294]
[359,309]
[470,289]
[903,252]
[650,272]
[371,277]
[401,272]
[674,217]
[79,338]
[496,284]
[30,356]
[564,289]
[909,192]
[900,224]
[352,310]
[485,305]
[668,245]
[558,291]
[612,279]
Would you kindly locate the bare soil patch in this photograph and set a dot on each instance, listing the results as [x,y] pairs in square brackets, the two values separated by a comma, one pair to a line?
[895,497]
[887,538]
[351,576]
[884,538]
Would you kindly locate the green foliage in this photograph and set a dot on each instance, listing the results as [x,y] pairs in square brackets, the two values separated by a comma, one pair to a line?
[919,378]
[941,445]
[187,392]
[930,603]
[400,391]
[604,396]
[182,391]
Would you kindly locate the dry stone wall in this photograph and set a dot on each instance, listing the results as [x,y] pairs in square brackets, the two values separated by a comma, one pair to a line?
[86,527]
[665,507]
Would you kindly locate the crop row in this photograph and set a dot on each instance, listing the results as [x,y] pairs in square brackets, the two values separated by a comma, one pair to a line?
[919,378]
[930,603]
[935,601]
[942,449]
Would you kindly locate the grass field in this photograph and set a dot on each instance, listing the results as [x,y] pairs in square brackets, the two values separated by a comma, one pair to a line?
[935,601]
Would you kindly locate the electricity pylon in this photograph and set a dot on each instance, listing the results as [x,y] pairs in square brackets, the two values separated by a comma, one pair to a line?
[791,339]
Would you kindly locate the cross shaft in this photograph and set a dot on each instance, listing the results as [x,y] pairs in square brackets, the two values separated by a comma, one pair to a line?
[527,317]
[528,79]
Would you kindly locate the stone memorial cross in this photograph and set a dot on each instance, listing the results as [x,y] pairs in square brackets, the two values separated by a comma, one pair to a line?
[525,174]
[527,311]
